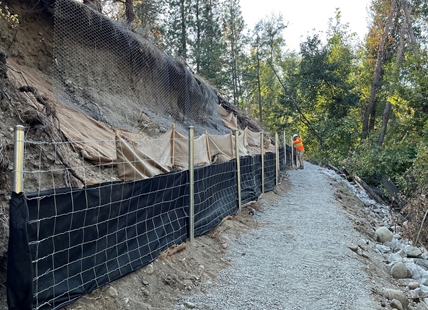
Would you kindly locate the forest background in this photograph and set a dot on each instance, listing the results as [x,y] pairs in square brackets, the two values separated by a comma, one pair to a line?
[360,105]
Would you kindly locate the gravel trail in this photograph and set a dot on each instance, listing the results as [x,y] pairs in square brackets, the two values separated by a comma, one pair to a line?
[298,258]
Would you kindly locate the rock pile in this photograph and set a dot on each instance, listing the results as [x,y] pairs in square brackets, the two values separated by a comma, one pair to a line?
[406,263]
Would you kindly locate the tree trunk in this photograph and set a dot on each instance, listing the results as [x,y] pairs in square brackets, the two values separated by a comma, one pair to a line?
[377,74]
[407,10]
[259,90]
[363,185]
[393,192]
[95,4]
[198,37]
[385,119]
[400,50]
[183,53]
[129,11]
[233,55]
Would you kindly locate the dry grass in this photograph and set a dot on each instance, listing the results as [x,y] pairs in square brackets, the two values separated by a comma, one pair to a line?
[172,250]
[416,226]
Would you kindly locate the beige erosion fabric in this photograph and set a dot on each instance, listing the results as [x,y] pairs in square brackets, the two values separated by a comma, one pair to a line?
[139,161]
[137,157]
[133,163]
[229,120]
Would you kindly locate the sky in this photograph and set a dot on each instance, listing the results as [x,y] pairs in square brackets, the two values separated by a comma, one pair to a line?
[303,16]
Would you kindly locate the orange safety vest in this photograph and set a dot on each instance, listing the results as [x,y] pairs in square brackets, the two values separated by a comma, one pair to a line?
[298,144]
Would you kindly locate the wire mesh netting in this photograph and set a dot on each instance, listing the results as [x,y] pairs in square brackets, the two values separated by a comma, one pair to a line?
[113,75]
[66,242]
[81,239]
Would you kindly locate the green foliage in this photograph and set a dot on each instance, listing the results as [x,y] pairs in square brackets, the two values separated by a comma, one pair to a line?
[11,18]
[263,87]
[208,46]
[371,162]
[321,95]
[419,169]
[339,136]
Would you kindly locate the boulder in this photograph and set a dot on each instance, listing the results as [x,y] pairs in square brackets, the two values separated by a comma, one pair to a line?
[413,285]
[399,271]
[412,251]
[396,294]
[396,304]
[383,235]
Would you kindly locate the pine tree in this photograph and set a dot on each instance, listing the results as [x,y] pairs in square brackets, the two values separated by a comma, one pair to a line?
[233,27]
[208,46]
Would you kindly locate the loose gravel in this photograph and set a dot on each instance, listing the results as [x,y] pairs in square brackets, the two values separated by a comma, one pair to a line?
[297,259]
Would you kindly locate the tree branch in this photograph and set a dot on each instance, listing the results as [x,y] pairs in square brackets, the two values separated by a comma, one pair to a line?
[305,120]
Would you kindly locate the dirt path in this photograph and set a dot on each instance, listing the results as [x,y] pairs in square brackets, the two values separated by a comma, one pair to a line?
[298,259]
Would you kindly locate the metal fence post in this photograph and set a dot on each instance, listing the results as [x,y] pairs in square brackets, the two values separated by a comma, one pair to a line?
[191,185]
[276,159]
[172,145]
[285,150]
[231,142]
[238,169]
[262,152]
[18,164]
[292,153]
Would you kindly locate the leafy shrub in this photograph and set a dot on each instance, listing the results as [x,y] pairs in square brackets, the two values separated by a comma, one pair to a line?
[12,19]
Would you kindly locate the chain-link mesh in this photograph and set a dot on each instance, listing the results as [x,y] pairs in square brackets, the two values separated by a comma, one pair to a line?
[110,73]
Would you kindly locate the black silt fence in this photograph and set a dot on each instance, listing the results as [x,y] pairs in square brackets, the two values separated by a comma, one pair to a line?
[282,163]
[64,243]
[270,174]
[249,191]
[257,170]
[216,195]
[288,155]
[82,239]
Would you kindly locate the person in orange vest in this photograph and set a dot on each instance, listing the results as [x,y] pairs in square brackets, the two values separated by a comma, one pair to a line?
[300,150]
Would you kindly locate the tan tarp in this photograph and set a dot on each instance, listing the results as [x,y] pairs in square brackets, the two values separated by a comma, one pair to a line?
[181,151]
[229,120]
[242,144]
[170,151]
[82,130]
[134,164]
[252,142]
[137,156]
[222,148]
[252,138]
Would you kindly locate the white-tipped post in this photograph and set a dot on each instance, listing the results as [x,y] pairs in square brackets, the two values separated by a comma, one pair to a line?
[285,150]
[191,184]
[238,169]
[292,154]
[276,159]
[262,152]
[18,165]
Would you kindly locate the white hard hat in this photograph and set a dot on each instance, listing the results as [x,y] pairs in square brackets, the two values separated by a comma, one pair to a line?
[295,135]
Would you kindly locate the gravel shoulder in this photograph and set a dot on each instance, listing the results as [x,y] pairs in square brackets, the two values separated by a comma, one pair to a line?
[299,258]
